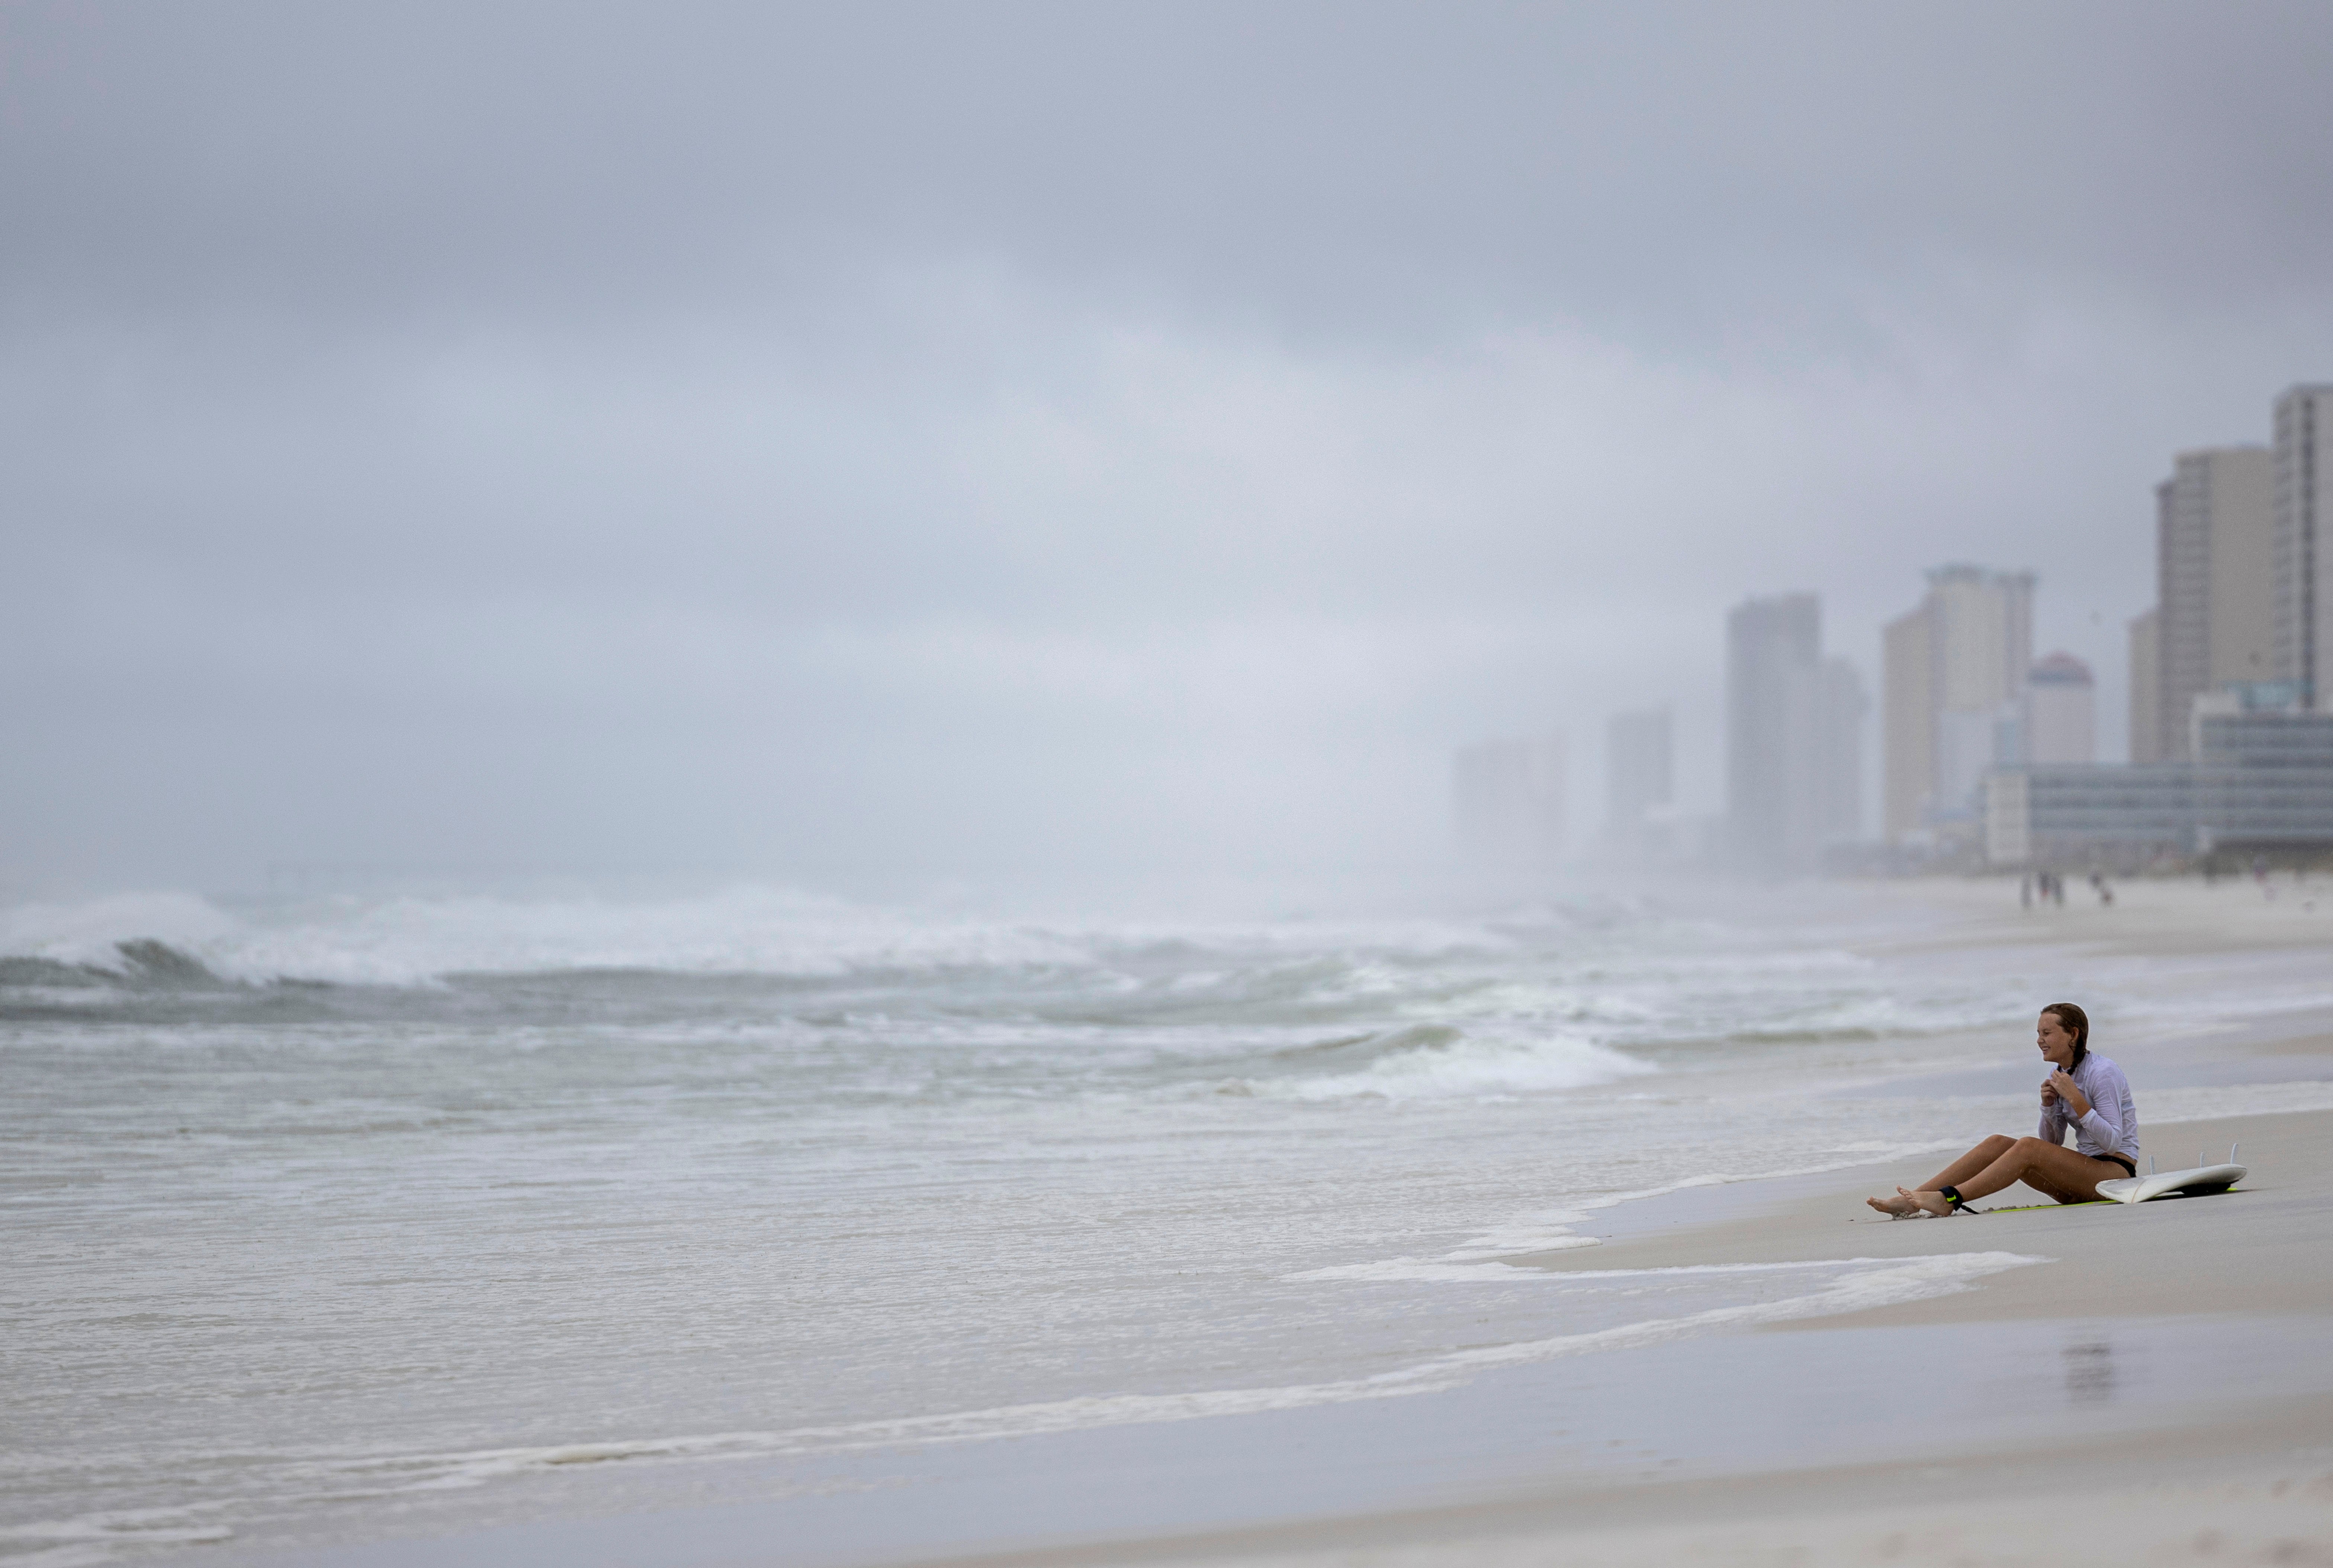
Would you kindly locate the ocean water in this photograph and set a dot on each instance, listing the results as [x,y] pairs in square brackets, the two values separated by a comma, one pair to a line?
[311,1207]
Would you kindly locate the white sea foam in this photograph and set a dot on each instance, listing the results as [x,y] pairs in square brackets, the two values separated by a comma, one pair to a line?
[409,940]
[1470,1064]
[1552,1232]
[746,930]
[1542,1230]
[1413,1270]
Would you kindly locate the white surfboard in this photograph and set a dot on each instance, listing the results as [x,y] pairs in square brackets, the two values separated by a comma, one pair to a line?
[2193,1183]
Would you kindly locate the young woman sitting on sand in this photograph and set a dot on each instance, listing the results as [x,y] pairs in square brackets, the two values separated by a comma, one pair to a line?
[2085,1091]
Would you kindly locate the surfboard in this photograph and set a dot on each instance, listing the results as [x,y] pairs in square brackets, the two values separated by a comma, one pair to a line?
[2196,1183]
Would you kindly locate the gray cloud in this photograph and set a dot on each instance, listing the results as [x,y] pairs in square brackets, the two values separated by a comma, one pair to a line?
[762,439]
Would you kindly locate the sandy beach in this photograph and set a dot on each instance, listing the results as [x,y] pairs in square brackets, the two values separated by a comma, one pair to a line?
[2228,1481]
[2239,1475]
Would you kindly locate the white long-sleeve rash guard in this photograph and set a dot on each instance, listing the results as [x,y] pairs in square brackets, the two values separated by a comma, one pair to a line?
[2112,1125]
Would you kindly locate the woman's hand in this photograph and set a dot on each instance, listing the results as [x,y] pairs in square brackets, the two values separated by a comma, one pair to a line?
[2062,1087]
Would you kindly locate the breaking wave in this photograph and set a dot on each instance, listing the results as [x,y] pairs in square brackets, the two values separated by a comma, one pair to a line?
[1434,1060]
[140,963]
[420,942]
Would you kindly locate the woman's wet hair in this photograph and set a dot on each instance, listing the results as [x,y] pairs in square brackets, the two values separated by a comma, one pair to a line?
[2074,1022]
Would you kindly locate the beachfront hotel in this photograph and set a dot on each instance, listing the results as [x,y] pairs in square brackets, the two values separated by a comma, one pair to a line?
[1955,669]
[2147,686]
[1793,736]
[2059,724]
[2302,595]
[2261,783]
[2215,577]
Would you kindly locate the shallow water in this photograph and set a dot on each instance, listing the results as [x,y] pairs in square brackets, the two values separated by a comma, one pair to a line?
[313,1203]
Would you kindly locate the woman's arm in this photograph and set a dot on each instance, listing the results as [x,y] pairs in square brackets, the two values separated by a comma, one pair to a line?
[2104,1119]
[2053,1113]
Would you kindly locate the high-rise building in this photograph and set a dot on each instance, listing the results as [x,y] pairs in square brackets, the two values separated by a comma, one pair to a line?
[2146,688]
[2302,624]
[1907,720]
[1638,774]
[1774,717]
[2215,525]
[1509,801]
[1955,687]
[2061,720]
[1839,745]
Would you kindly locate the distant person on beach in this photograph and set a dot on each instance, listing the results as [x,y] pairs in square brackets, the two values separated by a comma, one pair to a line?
[2084,1091]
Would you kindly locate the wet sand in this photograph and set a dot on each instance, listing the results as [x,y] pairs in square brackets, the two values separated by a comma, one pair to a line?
[2179,918]
[2238,1473]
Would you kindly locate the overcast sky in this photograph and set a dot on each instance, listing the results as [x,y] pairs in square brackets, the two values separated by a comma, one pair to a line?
[767,441]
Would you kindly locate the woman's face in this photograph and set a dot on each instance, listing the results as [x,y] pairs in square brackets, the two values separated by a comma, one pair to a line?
[2057,1042]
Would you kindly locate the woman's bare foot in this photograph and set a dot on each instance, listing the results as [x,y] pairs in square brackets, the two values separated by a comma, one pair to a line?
[1934,1203]
[1898,1206]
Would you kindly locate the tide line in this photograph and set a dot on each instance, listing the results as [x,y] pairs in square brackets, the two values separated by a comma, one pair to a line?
[1870,1283]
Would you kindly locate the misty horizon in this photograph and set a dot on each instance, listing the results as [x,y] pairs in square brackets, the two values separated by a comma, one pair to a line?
[931,443]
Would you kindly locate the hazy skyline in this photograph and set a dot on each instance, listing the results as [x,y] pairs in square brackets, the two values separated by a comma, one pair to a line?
[771,441]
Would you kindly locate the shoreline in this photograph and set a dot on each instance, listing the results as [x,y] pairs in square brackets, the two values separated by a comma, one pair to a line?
[2256,1292]
[2140,1374]
[2248,1477]
[2249,1480]
[2252,1480]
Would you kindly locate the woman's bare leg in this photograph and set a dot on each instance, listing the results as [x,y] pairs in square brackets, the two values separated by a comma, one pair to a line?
[2051,1169]
[1957,1174]
[1962,1170]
